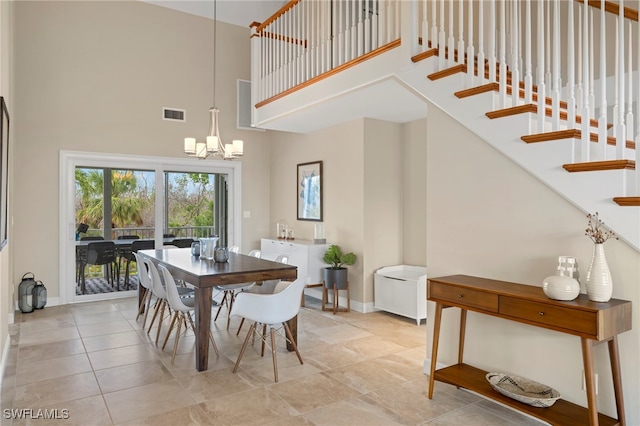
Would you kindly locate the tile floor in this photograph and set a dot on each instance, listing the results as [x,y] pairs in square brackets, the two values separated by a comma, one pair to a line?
[94,364]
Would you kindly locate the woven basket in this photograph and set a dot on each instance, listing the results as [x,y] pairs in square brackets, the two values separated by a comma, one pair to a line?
[523,390]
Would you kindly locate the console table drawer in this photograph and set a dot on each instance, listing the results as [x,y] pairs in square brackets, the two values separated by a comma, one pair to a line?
[582,322]
[463,297]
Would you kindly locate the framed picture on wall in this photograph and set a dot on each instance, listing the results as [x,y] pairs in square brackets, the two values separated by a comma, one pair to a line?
[309,191]
[4,170]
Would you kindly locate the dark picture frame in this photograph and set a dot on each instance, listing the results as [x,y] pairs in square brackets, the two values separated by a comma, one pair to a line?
[309,191]
[4,171]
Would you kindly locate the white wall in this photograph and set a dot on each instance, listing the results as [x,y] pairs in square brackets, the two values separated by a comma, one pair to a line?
[94,76]
[6,61]
[486,217]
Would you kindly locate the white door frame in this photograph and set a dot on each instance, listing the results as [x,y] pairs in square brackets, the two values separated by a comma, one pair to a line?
[69,160]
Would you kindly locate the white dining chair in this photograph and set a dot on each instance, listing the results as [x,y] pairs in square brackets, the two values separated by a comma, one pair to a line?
[267,287]
[272,311]
[181,312]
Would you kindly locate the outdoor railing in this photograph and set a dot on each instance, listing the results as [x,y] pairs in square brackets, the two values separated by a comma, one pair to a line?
[149,232]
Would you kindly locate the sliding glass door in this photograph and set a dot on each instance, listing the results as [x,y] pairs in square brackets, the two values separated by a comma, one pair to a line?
[115,197]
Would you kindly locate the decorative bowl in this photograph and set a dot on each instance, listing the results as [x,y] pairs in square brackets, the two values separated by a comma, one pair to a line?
[523,390]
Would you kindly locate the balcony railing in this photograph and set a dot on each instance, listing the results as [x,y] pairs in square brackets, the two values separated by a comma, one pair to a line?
[577,63]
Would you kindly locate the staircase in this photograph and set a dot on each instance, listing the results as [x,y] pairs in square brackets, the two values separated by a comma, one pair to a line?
[586,153]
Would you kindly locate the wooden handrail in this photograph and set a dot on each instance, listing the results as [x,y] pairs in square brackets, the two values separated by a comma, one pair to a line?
[629,13]
[276,15]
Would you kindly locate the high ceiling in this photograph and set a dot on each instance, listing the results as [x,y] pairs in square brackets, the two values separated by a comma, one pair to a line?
[238,12]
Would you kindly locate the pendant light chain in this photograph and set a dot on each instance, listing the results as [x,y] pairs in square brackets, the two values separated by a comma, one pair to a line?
[215,50]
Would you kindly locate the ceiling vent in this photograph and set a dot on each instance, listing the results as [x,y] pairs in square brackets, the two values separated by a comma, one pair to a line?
[174,114]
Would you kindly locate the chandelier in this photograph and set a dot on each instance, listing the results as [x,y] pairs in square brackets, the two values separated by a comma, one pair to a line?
[213,144]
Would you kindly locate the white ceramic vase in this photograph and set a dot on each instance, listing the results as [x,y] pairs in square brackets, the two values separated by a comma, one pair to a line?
[599,284]
[560,287]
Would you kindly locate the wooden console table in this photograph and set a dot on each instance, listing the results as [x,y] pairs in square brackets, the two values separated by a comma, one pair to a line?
[593,322]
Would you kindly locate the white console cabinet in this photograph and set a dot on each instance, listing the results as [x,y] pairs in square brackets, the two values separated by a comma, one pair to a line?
[304,254]
[401,290]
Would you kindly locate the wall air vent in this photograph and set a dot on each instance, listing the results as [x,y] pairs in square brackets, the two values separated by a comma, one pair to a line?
[174,114]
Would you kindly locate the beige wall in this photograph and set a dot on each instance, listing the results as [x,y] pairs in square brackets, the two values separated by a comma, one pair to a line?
[497,221]
[99,84]
[367,193]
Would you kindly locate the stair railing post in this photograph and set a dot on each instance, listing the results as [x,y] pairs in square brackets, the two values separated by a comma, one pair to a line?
[471,54]
[621,131]
[492,41]
[629,118]
[585,130]
[257,81]
[602,119]
[528,77]
[555,97]
[542,92]
[503,55]
[481,64]
[571,74]
[515,54]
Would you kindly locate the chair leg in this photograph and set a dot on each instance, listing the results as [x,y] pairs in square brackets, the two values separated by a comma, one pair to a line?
[222,302]
[244,346]
[175,344]
[155,314]
[148,307]
[287,331]
[142,303]
[162,305]
[263,338]
[173,321]
[240,328]
[232,298]
[274,353]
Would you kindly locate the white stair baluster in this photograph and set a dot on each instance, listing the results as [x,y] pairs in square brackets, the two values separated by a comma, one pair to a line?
[481,65]
[442,42]
[571,72]
[492,41]
[424,26]
[461,33]
[585,128]
[602,119]
[503,55]
[555,97]
[451,42]
[471,78]
[540,74]
[621,131]
[629,118]
[528,77]
[515,58]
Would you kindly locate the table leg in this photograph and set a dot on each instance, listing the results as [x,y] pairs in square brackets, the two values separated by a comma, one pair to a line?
[434,349]
[203,325]
[463,328]
[614,358]
[587,359]
[293,327]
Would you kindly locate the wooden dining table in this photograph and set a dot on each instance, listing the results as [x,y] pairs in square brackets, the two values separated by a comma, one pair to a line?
[204,275]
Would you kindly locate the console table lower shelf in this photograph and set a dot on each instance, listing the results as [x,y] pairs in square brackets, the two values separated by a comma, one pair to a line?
[562,412]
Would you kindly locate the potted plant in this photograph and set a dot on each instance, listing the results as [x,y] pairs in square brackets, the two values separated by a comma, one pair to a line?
[336,272]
